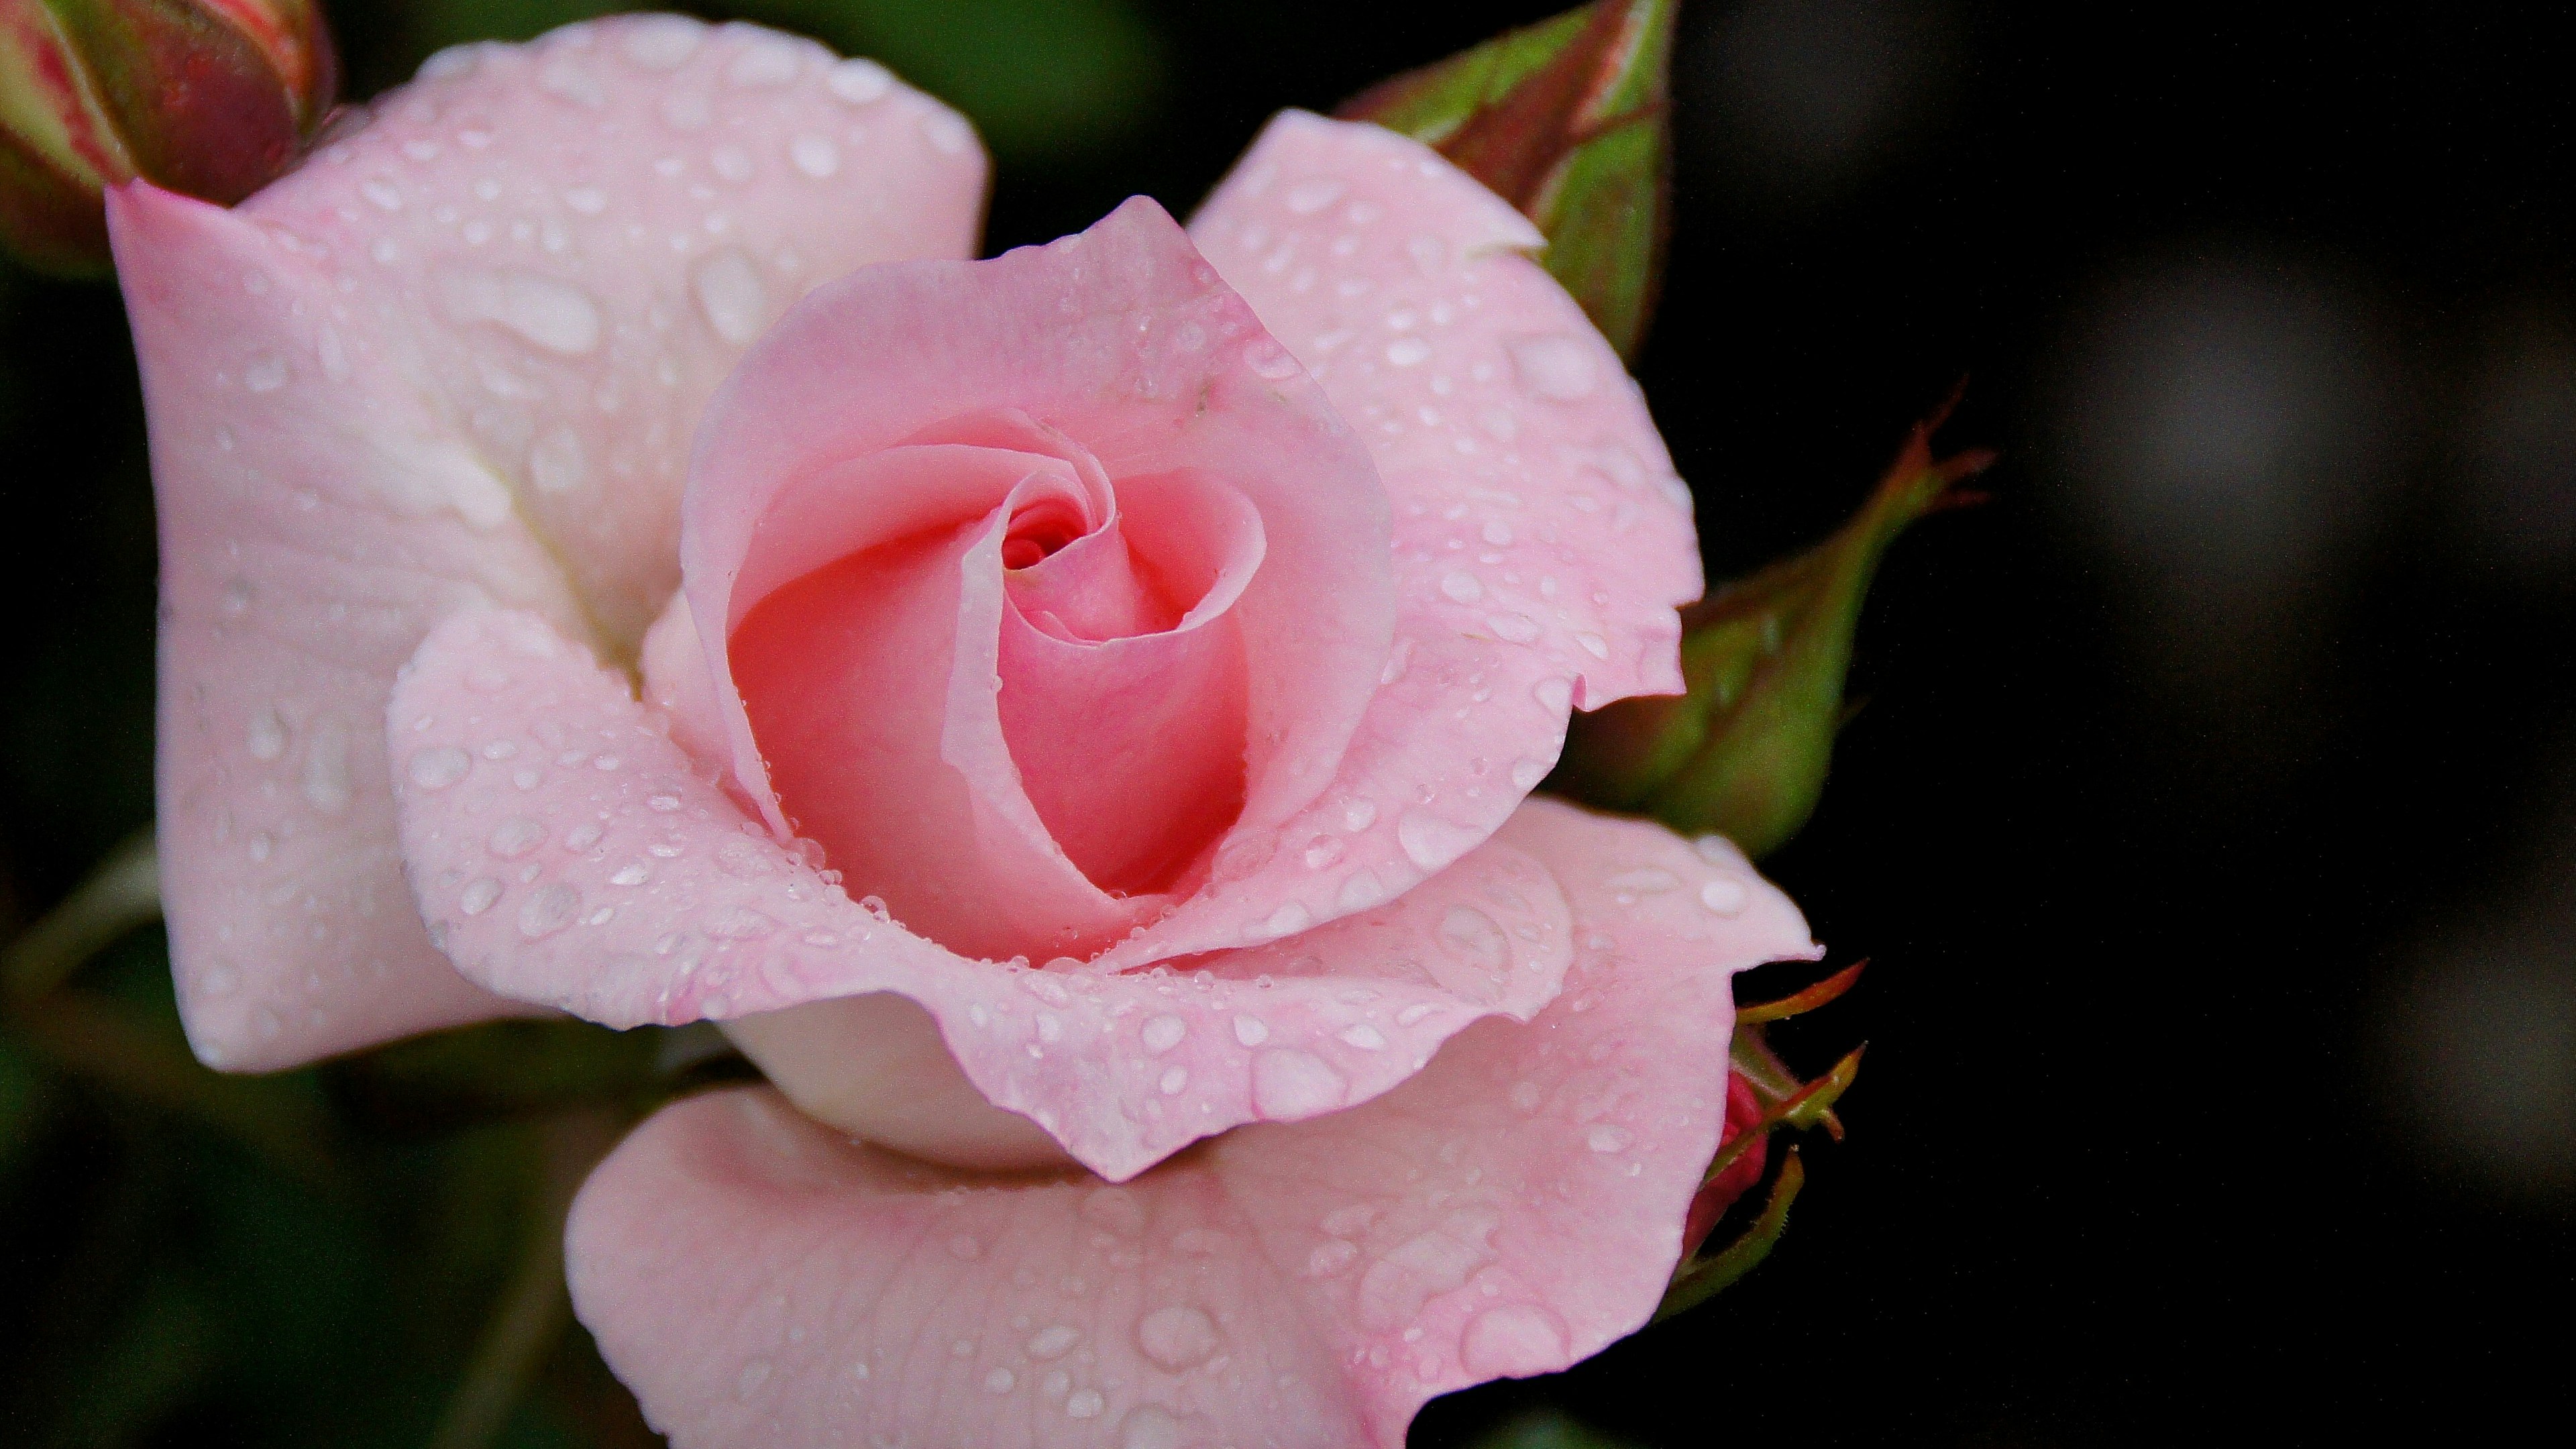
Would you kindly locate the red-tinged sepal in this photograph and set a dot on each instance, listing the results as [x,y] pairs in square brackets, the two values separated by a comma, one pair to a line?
[213,98]
[1744,753]
[1763,1096]
[1568,120]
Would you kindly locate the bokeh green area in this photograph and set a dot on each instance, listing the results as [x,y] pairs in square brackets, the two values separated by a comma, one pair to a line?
[1044,80]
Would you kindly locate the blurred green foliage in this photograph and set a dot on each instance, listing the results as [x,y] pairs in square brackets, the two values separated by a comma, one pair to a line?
[1547,1429]
[1042,79]
[299,1259]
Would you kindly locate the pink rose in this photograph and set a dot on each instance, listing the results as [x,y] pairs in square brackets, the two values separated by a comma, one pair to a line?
[1054,711]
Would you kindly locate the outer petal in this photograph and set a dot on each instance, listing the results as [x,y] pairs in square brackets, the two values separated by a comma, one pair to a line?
[1541,539]
[1513,1209]
[453,360]
[566,854]
[582,234]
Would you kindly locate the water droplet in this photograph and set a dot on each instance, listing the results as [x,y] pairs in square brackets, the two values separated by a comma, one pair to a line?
[634,873]
[1288,920]
[1322,851]
[732,295]
[860,81]
[572,83]
[1289,1084]
[327,783]
[948,131]
[268,735]
[1358,815]
[1052,1342]
[439,766]
[265,373]
[1557,368]
[1554,693]
[384,194]
[1164,1033]
[1150,1426]
[1512,628]
[1469,932]
[816,156]
[1085,1404]
[555,462]
[1525,1095]
[1174,1078]
[1594,645]
[1000,1381]
[1251,1030]
[478,896]
[765,61]
[1608,1137]
[588,200]
[556,316]
[1528,771]
[1650,881]
[662,42]
[1177,1337]
[1725,896]
[334,357]
[753,1375]
[1431,842]
[1330,1258]
[740,923]
[1513,1341]
[686,111]
[1407,351]
[1462,586]
[1363,1037]
[1308,197]
[1268,359]
[1360,892]
[548,910]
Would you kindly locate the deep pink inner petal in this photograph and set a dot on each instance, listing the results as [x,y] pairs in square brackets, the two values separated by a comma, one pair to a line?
[1119,683]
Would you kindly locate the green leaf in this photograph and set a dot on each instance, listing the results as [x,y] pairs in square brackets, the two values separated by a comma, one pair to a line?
[1043,80]
[1569,120]
[1744,753]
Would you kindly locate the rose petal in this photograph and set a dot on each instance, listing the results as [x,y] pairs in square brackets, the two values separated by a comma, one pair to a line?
[871,684]
[1122,340]
[453,354]
[1511,1210]
[579,236]
[1132,748]
[1541,539]
[311,531]
[655,898]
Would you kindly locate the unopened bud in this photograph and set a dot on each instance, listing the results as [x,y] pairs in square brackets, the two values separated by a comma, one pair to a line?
[210,97]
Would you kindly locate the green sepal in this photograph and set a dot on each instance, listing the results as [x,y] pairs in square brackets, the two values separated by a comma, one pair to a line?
[1570,121]
[1744,753]
[1702,1275]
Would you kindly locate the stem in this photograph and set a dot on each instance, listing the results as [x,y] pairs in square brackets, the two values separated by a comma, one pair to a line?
[121,893]
[534,1309]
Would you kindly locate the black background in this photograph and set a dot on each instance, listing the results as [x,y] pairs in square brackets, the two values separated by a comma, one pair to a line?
[2208,819]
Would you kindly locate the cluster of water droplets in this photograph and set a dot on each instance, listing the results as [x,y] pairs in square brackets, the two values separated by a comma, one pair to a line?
[601,221]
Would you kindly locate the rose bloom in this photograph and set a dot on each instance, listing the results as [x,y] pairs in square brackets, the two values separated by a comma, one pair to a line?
[1069,717]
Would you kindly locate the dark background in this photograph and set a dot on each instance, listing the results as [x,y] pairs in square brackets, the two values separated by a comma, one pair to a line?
[2210,821]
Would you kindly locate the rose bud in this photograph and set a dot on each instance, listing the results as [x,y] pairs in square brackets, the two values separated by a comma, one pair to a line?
[213,98]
